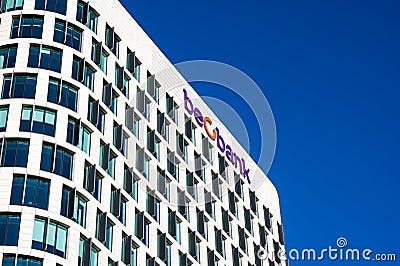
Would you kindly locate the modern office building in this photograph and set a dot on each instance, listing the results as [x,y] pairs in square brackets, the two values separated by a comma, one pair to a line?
[106,161]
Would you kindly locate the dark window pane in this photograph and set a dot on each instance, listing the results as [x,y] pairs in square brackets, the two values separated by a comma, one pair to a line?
[3,227]
[8,261]
[58,164]
[12,230]
[55,64]
[64,202]
[67,169]
[45,57]
[12,57]
[76,68]
[30,192]
[53,90]
[30,87]
[33,59]
[18,86]
[6,87]
[47,158]
[17,190]
[42,194]
[10,151]
[22,155]
[37,28]
[59,30]
[61,6]
[70,131]
[15,28]
[26,27]
[51,5]
[72,98]
[64,96]
[39,4]
[25,124]
[79,12]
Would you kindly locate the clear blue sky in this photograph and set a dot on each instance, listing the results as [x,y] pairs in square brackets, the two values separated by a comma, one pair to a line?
[331,73]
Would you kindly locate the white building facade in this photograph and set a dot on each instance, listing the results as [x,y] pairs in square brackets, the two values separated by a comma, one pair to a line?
[105,159]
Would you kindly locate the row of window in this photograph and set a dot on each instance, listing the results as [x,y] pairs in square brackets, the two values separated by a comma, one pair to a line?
[66,33]
[20,260]
[34,191]
[50,58]
[31,26]
[60,162]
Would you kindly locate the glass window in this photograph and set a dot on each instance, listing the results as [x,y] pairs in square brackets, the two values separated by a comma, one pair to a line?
[118,77]
[38,120]
[59,31]
[30,191]
[103,63]
[136,126]
[81,12]
[15,153]
[9,229]
[146,228]
[112,40]
[59,163]
[78,65]
[84,139]
[68,34]
[20,260]
[122,213]
[131,250]
[92,20]
[111,159]
[83,135]
[58,6]
[10,5]
[171,109]
[87,16]
[96,193]
[62,93]
[83,73]
[133,255]
[125,89]
[49,236]
[8,55]
[27,26]
[93,258]
[99,56]
[136,73]
[3,118]
[93,109]
[89,77]
[45,57]
[19,86]
[110,97]
[71,199]
[109,235]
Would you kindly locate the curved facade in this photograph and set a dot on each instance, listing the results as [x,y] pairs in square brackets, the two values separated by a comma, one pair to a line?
[100,162]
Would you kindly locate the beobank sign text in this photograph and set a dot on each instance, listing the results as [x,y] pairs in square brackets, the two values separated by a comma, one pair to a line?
[214,134]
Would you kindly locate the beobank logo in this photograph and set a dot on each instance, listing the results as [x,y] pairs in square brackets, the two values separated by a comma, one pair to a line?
[214,134]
